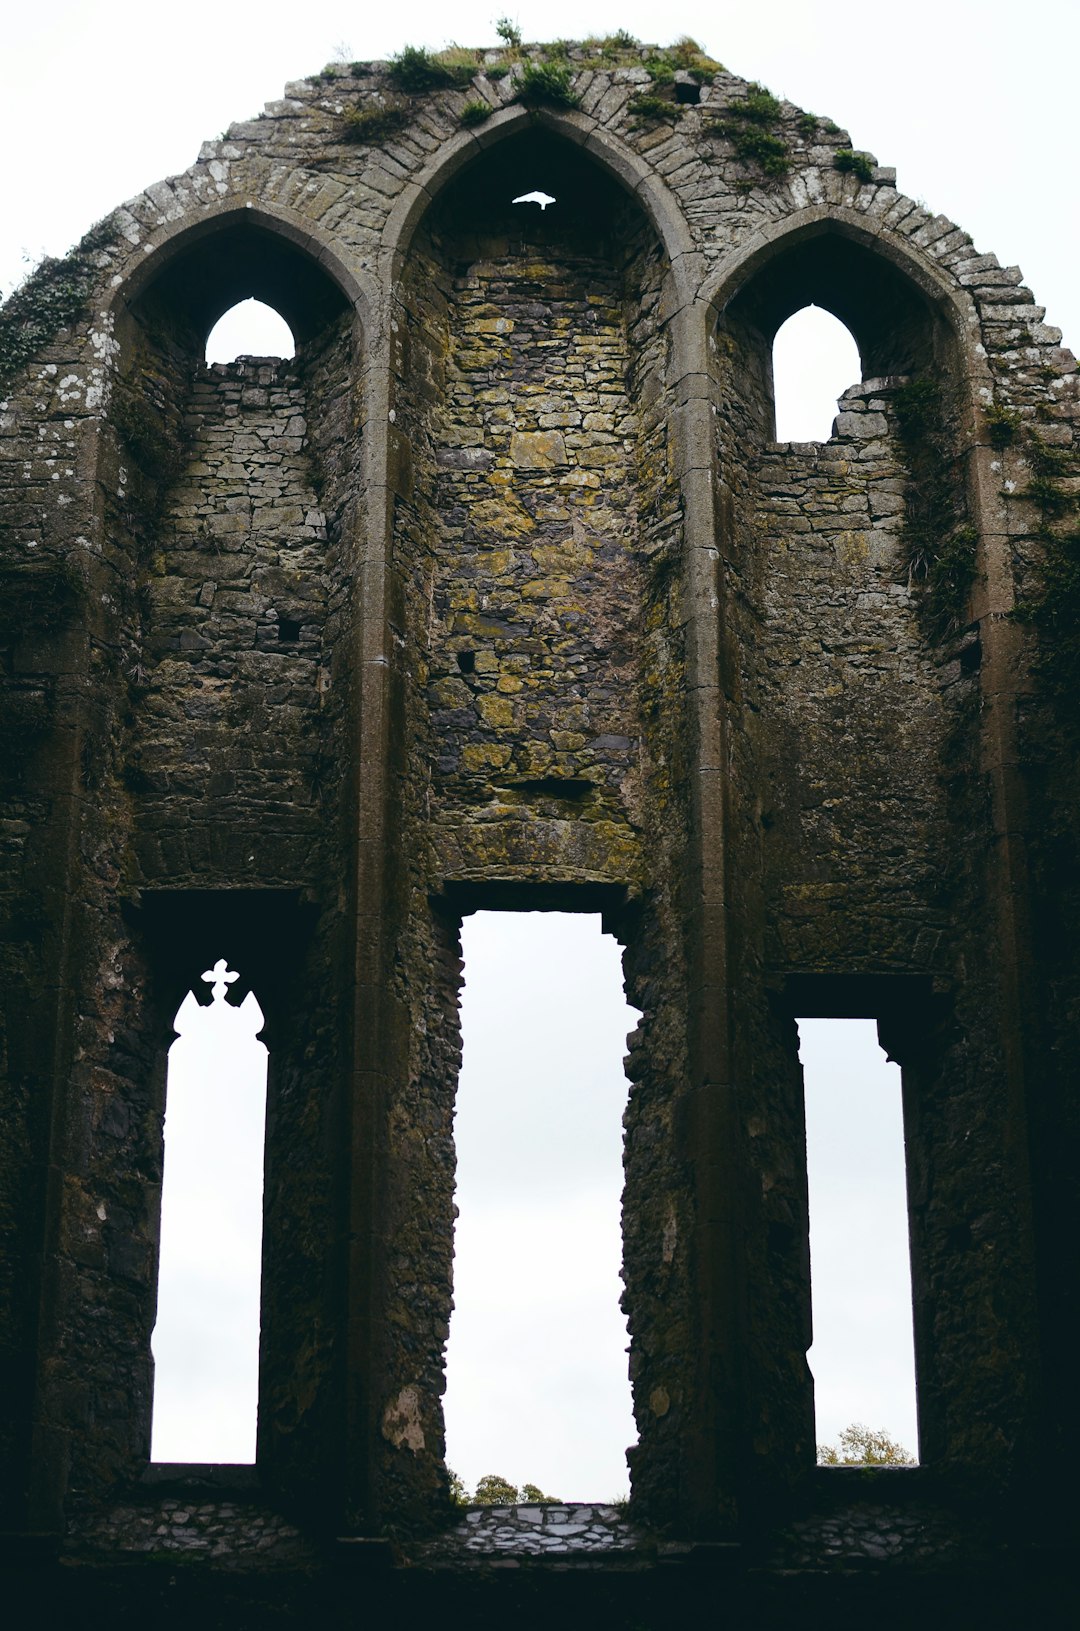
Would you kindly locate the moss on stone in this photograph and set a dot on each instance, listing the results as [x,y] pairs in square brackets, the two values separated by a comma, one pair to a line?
[849,162]
[746,124]
[475,112]
[374,121]
[651,110]
[54,296]
[547,84]
[416,70]
[939,543]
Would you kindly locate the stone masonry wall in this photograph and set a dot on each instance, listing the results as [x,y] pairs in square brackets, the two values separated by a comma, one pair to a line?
[228,740]
[539,528]
[533,670]
[854,705]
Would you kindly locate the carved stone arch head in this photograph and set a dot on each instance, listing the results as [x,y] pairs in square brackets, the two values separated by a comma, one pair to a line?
[904,312]
[564,138]
[202,266]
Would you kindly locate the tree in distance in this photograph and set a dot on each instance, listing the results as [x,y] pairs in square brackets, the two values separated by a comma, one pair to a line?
[860,1446]
[494,1490]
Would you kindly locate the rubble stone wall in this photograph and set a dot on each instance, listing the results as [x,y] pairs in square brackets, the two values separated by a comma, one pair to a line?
[501,593]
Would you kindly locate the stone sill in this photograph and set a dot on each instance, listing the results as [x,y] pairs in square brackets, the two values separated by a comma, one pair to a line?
[199,1475]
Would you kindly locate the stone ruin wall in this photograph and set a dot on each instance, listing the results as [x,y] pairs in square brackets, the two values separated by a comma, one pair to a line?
[502,593]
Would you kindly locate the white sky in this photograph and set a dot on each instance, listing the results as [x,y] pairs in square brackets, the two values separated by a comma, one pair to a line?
[972,102]
[537,1385]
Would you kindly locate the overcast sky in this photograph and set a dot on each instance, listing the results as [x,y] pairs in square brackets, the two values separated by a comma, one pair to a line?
[974,105]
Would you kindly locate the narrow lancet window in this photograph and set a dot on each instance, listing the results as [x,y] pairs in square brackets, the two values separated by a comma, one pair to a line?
[206,1341]
[862,1356]
[815,360]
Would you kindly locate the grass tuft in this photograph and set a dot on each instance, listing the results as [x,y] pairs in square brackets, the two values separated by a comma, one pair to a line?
[849,162]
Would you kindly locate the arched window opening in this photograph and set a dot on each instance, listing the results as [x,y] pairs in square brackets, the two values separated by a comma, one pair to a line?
[862,1358]
[249,329]
[206,1340]
[537,1383]
[815,359]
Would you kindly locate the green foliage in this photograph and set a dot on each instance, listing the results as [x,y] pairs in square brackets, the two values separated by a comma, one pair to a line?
[745,125]
[460,63]
[949,575]
[556,51]
[494,1490]
[1053,606]
[1002,425]
[918,409]
[1054,610]
[154,447]
[1048,464]
[498,71]
[848,162]
[1052,502]
[509,32]
[806,124]
[475,112]
[755,146]
[54,296]
[624,49]
[758,106]
[415,70]
[651,109]
[860,1446]
[660,70]
[687,53]
[1048,461]
[374,121]
[547,83]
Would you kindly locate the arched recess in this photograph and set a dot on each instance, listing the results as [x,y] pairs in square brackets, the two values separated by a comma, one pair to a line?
[611,158]
[239,494]
[901,317]
[234,498]
[538,557]
[849,718]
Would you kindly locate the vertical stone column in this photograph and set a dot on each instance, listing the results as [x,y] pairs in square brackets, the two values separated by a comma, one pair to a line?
[711,1123]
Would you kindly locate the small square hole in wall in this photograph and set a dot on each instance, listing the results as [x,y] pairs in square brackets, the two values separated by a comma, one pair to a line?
[688,94]
[466,661]
[288,630]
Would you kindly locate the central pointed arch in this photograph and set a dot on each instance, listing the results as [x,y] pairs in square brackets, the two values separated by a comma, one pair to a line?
[627,168]
[536,471]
